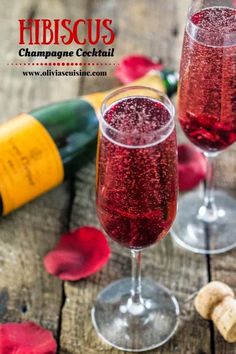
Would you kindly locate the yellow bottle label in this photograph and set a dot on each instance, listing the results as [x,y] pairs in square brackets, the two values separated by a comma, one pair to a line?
[30,163]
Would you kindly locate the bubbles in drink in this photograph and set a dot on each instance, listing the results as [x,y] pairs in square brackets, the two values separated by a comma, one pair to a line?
[137,186]
[207,93]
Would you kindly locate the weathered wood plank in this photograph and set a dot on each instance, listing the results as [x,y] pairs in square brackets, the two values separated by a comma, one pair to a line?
[26,290]
[154,28]
[223,267]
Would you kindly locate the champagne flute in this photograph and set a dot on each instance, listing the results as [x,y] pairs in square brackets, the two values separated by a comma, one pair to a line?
[136,206]
[207,114]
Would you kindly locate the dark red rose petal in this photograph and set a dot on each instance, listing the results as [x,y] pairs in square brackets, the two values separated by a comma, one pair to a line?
[133,67]
[78,254]
[192,167]
[26,338]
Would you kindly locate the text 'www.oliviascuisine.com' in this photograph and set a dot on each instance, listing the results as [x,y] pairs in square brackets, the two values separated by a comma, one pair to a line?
[50,72]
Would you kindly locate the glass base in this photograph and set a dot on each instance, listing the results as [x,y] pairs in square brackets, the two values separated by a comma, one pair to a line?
[212,236]
[135,327]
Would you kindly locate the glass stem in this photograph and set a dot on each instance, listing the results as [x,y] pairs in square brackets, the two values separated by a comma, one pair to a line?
[136,277]
[208,211]
[209,198]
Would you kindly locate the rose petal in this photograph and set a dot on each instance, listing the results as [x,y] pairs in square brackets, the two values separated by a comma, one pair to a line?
[192,167]
[133,67]
[78,254]
[26,338]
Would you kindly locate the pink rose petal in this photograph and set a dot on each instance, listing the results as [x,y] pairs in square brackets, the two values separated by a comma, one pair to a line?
[133,67]
[78,254]
[26,338]
[192,167]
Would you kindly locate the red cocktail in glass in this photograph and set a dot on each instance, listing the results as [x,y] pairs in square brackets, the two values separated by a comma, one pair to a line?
[137,187]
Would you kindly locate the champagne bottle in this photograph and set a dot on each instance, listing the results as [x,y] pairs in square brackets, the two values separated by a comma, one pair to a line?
[42,148]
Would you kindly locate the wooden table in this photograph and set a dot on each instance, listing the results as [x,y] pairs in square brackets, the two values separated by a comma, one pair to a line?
[27,292]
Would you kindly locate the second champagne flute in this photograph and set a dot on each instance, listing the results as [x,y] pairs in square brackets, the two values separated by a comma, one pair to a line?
[136,206]
[207,114]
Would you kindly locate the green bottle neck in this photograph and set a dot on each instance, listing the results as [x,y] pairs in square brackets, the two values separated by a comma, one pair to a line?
[170,79]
